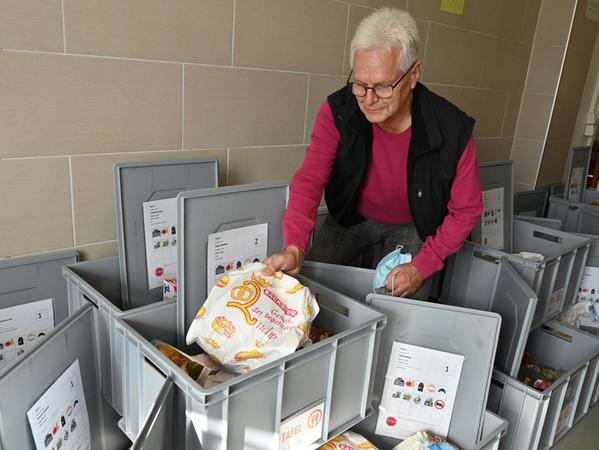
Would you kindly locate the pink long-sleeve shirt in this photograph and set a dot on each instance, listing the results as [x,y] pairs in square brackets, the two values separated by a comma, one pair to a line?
[384,195]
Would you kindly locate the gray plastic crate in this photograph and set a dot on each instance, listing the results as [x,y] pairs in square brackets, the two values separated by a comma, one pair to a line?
[557,190]
[144,181]
[208,211]
[25,382]
[225,416]
[507,295]
[222,417]
[555,280]
[582,220]
[589,386]
[593,258]
[538,419]
[578,159]
[492,285]
[565,211]
[487,285]
[498,175]
[156,431]
[440,327]
[554,224]
[355,282]
[29,279]
[531,203]
[494,429]
[591,195]
[99,282]
[575,216]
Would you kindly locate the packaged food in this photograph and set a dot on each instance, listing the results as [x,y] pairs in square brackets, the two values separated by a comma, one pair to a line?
[187,364]
[424,441]
[348,441]
[217,378]
[319,334]
[169,288]
[250,319]
[537,376]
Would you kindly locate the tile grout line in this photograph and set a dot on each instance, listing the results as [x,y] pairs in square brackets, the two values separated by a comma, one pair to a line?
[507,106]
[72,200]
[345,55]
[160,61]
[306,110]
[428,32]
[190,149]
[233,35]
[182,106]
[44,252]
[524,86]
[228,163]
[64,33]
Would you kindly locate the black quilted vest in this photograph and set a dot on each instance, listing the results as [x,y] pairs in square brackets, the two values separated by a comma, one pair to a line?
[440,132]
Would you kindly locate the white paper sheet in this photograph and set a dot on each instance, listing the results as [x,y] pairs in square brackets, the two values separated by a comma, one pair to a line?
[229,250]
[492,218]
[589,285]
[160,231]
[22,327]
[419,392]
[59,419]
[589,291]
[575,187]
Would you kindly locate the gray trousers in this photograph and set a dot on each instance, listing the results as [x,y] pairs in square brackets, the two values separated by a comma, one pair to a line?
[348,246]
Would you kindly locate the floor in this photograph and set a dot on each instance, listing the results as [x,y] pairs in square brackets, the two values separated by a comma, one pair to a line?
[584,435]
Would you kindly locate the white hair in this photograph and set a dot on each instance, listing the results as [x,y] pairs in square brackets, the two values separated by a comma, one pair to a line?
[388,29]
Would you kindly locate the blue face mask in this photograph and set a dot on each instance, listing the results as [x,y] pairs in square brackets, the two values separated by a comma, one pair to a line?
[388,263]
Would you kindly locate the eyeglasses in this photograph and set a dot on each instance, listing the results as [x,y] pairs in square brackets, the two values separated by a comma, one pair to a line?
[382,91]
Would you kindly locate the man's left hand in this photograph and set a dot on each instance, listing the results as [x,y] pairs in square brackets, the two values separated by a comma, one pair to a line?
[403,281]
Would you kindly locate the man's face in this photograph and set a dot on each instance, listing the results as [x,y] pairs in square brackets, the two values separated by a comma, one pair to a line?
[372,67]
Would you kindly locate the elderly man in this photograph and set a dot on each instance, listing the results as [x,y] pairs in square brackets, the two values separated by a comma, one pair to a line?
[397,164]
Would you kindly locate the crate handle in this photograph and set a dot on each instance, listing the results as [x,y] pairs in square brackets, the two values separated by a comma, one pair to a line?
[547,237]
[332,307]
[498,383]
[86,297]
[485,257]
[154,366]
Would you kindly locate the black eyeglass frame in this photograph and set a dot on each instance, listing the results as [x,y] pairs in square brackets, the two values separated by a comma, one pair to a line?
[366,88]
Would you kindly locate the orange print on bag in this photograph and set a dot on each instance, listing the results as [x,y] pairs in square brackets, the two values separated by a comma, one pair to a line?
[223,281]
[244,297]
[223,326]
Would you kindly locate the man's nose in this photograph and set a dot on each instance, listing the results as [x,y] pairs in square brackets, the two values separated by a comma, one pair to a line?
[370,97]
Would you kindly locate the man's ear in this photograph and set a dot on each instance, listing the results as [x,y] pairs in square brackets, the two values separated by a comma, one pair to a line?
[416,72]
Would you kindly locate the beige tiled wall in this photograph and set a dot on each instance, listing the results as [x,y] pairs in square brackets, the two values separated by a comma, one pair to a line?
[569,97]
[87,83]
[562,49]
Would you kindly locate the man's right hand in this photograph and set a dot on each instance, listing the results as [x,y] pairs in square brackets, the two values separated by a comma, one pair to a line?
[288,261]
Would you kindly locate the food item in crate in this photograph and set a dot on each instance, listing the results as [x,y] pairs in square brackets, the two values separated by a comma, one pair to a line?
[318,334]
[424,441]
[538,377]
[536,257]
[197,368]
[169,288]
[217,378]
[348,441]
[573,315]
[250,319]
